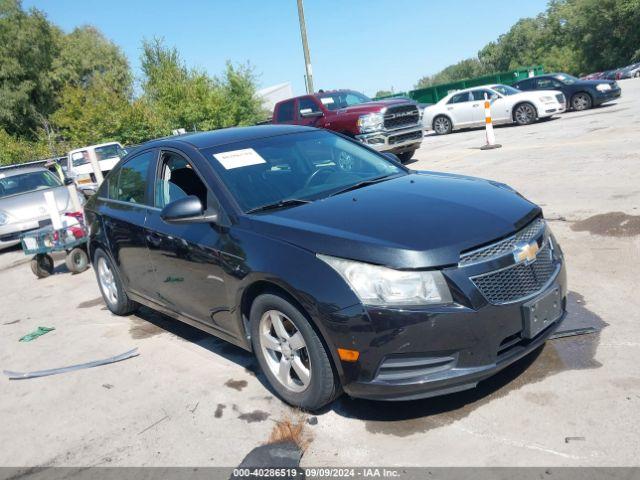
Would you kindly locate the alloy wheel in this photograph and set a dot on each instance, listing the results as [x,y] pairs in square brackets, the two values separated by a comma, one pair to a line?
[442,125]
[285,351]
[107,281]
[525,114]
[580,102]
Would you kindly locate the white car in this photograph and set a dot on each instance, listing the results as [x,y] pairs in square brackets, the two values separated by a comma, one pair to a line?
[79,165]
[465,108]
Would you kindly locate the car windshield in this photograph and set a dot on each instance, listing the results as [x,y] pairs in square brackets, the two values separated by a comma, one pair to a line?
[506,90]
[27,182]
[300,166]
[566,79]
[336,100]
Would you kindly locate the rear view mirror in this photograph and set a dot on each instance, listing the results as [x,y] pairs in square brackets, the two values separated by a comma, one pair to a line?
[311,114]
[187,210]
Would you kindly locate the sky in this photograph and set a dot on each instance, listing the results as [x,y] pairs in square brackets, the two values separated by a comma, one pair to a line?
[359,44]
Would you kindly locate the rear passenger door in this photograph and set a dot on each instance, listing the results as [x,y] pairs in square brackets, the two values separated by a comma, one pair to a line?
[124,211]
[461,110]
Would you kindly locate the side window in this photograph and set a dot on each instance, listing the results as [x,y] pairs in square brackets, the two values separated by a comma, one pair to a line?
[460,98]
[547,83]
[130,184]
[479,94]
[177,179]
[307,105]
[525,85]
[285,112]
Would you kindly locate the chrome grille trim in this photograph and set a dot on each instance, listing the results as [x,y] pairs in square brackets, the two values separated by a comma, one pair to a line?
[520,281]
[503,247]
[401,116]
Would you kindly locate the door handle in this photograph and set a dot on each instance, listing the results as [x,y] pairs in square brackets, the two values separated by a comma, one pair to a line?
[449,108]
[476,105]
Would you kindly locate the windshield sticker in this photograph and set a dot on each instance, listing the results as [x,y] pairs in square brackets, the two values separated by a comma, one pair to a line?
[326,100]
[239,158]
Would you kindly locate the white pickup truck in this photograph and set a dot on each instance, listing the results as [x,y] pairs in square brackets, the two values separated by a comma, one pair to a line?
[80,169]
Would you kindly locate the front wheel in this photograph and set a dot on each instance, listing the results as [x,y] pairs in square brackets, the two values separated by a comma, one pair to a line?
[525,114]
[111,286]
[581,101]
[291,353]
[442,125]
[406,156]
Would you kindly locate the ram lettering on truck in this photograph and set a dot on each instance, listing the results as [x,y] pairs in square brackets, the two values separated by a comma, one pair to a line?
[391,125]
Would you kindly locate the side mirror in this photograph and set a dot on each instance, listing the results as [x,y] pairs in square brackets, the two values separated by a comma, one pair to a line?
[186,210]
[392,156]
[310,114]
[68,181]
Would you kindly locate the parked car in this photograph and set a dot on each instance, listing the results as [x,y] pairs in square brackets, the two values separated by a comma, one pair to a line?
[580,94]
[392,125]
[80,169]
[338,267]
[22,204]
[630,71]
[593,76]
[465,108]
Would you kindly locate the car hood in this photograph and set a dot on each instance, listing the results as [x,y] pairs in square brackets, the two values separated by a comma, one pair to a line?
[421,220]
[31,205]
[370,107]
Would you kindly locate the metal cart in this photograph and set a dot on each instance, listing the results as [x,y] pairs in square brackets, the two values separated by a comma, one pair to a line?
[71,239]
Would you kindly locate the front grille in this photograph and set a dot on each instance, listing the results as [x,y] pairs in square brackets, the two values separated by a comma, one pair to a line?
[405,137]
[400,116]
[518,281]
[560,98]
[495,250]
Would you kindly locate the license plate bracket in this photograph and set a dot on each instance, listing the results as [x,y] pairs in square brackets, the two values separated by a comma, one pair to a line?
[541,312]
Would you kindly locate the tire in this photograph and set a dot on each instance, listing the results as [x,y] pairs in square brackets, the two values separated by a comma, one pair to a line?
[581,101]
[525,114]
[42,265]
[637,74]
[304,353]
[77,260]
[442,125]
[406,156]
[111,285]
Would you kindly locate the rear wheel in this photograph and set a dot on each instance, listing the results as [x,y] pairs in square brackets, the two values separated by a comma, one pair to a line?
[581,101]
[406,156]
[442,125]
[42,265]
[111,286]
[291,353]
[525,114]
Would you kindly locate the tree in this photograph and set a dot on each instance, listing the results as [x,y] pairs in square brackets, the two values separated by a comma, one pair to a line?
[468,68]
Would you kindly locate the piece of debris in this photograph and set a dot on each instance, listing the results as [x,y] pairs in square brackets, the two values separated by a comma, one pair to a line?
[219,410]
[573,439]
[166,417]
[54,371]
[11,323]
[290,430]
[193,410]
[573,332]
[108,386]
[312,420]
[36,333]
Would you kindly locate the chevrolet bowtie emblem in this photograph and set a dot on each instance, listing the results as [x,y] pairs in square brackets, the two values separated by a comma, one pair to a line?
[525,252]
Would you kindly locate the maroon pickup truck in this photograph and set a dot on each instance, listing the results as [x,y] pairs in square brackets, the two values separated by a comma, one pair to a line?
[391,125]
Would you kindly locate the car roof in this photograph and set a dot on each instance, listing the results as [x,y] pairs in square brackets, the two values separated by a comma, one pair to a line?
[19,171]
[94,146]
[225,136]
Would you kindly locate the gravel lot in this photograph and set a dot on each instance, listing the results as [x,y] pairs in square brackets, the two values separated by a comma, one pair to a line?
[190,399]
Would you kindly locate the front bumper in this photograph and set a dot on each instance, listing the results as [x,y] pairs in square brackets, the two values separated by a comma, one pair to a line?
[395,141]
[10,234]
[608,96]
[549,109]
[442,349]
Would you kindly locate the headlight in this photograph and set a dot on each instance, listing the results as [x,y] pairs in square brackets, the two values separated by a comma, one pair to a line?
[375,285]
[4,218]
[603,87]
[547,99]
[370,122]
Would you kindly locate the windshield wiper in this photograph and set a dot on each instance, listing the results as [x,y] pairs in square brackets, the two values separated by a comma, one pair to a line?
[363,183]
[288,202]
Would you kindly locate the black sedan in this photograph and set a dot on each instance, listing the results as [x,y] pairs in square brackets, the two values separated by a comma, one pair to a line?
[580,94]
[337,266]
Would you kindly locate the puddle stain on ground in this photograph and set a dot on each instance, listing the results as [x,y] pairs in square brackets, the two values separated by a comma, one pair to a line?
[612,224]
[141,329]
[555,356]
[219,410]
[236,384]
[255,416]
[91,303]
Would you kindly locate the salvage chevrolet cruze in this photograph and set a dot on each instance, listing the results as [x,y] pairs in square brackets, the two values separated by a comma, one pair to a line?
[338,267]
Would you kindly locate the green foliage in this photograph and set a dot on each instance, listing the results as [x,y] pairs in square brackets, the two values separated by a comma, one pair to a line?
[383,93]
[573,36]
[13,149]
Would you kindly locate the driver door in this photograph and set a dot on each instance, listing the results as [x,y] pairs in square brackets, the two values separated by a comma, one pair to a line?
[500,112]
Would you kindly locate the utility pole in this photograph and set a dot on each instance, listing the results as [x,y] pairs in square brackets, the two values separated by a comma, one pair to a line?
[305,48]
